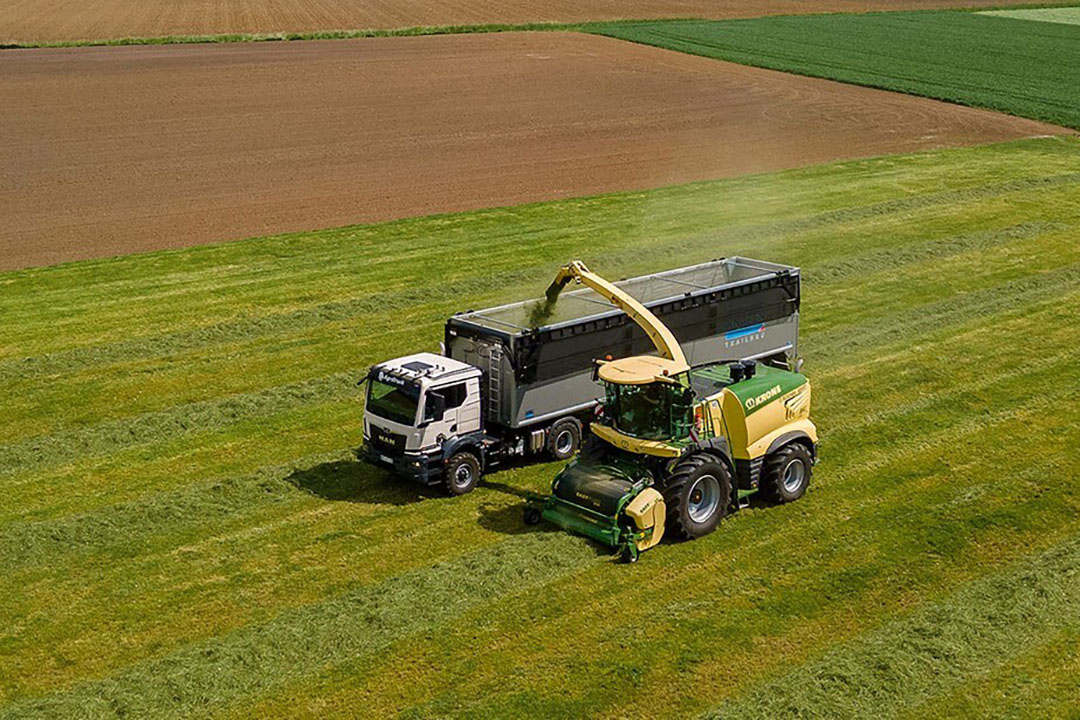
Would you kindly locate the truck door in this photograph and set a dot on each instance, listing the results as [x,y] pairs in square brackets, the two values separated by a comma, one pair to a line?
[469,411]
[450,424]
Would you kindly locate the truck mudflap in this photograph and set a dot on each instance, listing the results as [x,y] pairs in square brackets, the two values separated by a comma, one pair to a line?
[426,468]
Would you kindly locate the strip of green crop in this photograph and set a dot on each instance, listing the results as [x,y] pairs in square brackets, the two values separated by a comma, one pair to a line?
[1015,66]
[1067,15]
[216,518]
[412,31]
[1041,683]
[298,36]
[970,633]
[348,626]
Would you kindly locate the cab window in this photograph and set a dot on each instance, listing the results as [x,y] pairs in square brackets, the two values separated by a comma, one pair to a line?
[454,394]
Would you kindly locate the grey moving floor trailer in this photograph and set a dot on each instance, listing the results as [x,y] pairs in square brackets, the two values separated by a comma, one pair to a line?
[518,389]
[729,309]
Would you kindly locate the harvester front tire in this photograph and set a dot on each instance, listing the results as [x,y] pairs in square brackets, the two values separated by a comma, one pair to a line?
[564,439]
[462,473]
[697,495]
[787,473]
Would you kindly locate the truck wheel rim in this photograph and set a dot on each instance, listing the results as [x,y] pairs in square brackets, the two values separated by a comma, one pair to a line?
[703,499]
[794,475]
[564,442]
[462,475]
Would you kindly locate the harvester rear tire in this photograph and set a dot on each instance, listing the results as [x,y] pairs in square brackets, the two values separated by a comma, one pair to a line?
[462,473]
[787,473]
[564,438]
[697,495]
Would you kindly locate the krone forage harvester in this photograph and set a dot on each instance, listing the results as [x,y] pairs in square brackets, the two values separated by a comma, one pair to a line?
[673,448]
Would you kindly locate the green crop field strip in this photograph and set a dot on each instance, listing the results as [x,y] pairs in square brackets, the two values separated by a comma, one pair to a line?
[185,531]
[1067,15]
[1016,66]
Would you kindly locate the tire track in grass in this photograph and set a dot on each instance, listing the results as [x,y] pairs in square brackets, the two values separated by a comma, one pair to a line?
[252,660]
[71,360]
[910,660]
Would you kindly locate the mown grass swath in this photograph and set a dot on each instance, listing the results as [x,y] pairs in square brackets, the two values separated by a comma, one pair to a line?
[184,529]
[1016,66]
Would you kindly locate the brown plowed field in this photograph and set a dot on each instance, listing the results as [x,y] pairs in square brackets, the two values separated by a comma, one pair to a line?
[115,150]
[35,21]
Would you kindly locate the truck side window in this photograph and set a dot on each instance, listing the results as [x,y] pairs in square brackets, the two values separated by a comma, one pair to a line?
[454,394]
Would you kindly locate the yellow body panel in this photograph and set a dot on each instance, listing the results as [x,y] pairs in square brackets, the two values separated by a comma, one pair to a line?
[648,510]
[750,435]
[633,444]
[760,447]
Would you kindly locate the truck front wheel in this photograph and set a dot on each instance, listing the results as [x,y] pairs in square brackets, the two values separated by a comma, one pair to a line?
[564,439]
[462,473]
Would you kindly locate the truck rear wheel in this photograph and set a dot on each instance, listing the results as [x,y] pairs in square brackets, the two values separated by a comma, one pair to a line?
[697,495]
[462,473]
[564,439]
[787,473]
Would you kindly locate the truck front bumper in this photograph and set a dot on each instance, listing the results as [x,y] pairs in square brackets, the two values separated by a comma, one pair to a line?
[426,468]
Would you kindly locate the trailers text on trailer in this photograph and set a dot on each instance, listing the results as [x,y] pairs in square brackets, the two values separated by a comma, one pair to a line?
[506,389]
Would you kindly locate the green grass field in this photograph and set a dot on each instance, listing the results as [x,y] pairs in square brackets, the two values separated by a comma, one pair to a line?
[185,530]
[1016,66]
[1067,15]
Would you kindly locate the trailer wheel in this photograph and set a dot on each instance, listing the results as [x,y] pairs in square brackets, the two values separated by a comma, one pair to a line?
[787,473]
[564,438]
[462,473]
[697,494]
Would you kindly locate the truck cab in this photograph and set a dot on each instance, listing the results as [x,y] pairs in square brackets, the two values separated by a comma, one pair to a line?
[421,408]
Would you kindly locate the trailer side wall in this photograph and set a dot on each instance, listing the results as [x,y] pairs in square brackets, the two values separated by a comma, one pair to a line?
[533,375]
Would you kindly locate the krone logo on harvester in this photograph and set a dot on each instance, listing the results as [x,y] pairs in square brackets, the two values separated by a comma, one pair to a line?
[764,397]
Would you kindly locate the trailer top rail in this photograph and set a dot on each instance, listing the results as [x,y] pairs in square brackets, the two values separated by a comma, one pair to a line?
[576,305]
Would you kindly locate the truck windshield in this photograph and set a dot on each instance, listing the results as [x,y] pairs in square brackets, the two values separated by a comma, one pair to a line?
[393,402]
[657,411]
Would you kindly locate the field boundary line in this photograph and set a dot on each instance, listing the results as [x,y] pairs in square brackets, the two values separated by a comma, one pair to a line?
[588,27]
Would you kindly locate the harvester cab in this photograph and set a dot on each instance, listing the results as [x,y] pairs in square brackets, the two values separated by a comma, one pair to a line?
[674,447]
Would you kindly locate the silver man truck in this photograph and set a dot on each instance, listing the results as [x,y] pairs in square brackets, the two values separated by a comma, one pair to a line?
[517,381]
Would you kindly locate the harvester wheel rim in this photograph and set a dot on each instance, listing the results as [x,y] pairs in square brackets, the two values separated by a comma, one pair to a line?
[703,499]
[794,475]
